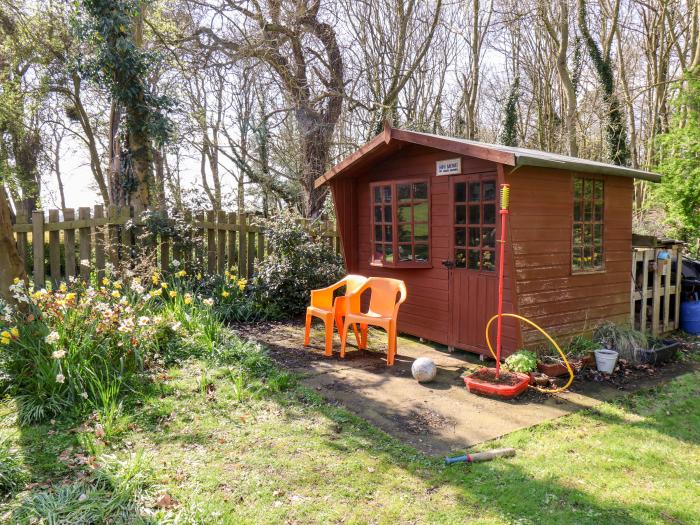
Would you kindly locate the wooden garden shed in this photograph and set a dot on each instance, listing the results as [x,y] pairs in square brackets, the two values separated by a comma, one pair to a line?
[424,208]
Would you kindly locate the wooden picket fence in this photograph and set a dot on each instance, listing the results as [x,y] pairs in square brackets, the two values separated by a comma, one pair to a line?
[79,246]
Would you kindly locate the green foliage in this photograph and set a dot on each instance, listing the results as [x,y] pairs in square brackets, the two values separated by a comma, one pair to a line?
[121,65]
[509,134]
[522,361]
[679,154]
[12,476]
[581,345]
[301,260]
[622,338]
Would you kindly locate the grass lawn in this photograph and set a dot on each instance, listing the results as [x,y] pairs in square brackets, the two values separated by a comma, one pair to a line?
[202,446]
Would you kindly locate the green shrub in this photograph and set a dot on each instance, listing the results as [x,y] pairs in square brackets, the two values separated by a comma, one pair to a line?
[522,361]
[12,476]
[622,338]
[301,260]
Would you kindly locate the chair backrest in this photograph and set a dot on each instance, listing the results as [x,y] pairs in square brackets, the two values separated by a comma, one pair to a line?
[384,291]
[353,283]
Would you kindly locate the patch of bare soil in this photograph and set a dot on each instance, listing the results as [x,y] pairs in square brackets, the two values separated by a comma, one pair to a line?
[422,421]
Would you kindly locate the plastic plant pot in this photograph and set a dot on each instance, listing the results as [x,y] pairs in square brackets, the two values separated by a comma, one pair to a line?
[606,360]
[510,385]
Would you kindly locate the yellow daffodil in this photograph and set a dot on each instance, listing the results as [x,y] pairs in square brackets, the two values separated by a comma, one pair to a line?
[227,273]
[225,294]
[105,281]
[63,288]
[70,296]
[156,293]
[163,285]
[199,276]
[242,283]
[172,293]
[181,273]
[118,285]
[5,338]
[155,278]
[14,332]
[16,280]
[188,298]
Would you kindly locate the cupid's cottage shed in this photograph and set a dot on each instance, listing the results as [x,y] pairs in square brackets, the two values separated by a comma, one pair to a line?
[424,208]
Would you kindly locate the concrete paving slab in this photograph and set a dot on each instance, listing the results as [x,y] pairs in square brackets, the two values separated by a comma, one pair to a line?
[438,418]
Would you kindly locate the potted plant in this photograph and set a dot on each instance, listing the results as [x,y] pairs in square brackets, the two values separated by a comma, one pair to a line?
[506,383]
[623,339]
[579,353]
[525,362]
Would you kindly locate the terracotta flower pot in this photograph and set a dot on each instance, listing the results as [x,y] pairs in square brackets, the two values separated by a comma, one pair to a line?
[508,386]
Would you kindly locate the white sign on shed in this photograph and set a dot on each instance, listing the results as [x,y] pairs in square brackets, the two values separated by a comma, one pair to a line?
[448,167]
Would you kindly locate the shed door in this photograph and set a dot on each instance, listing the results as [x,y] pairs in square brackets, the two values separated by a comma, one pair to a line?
[474,272]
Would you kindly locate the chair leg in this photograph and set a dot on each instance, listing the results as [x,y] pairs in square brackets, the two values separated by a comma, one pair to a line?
[343,339]
[308,330]
[328,322]
[357,336]
[363,330]
[391,354]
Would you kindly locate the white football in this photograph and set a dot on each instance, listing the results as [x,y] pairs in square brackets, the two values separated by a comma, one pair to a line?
[423,369]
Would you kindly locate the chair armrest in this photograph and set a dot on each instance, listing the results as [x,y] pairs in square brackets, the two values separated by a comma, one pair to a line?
[323,297]
[353,299]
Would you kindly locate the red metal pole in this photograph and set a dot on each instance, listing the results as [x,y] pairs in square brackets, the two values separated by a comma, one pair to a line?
[505,189]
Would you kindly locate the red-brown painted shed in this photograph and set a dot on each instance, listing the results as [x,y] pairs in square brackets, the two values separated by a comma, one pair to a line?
[424,208]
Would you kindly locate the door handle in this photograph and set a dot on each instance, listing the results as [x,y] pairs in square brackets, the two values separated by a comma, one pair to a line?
[448,264]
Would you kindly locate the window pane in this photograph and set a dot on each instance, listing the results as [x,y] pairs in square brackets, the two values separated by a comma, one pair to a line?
[420,212]
[599,190]
[387,193]
[578,235]
[377,194]
[377,214]
[421,252]
[588,234]
[474,191]
[460,191]
[387,233]
[598,211]
[460,236]
[474,217]
[588,189]
[460,214]
[473,260]
[420,232]
[474,237]
[587,256]
[489,214]
[578,188]
[460,259]
[378,251]
[420,190]
[598,232]
[404,214]
[488,237]
[405,233]
[404,192]
[488,261]
[377,233]
[576,262]
[578,211]
[405,252]
[598,258]
[489,190]
[388,253]
[387,214]
[588,210]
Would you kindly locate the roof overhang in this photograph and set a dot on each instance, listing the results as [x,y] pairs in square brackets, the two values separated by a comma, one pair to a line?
[392,139]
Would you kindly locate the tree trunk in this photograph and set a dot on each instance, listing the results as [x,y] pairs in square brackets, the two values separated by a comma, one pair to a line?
[11,266]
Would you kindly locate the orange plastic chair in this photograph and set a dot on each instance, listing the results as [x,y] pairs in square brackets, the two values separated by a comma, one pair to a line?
[332,311]
[383,312]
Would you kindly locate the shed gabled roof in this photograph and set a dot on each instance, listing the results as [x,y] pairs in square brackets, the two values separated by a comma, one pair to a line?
[391,139]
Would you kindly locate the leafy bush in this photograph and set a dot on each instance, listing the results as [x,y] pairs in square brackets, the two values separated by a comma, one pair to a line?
[581,345]
[522,361]
[300,262]
[11,474]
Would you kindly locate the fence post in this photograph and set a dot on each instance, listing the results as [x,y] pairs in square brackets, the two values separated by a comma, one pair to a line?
[261,244]
[242,246]
[199,240]
[54,248]
[99,242]
[251,250]
[645,292]
[677,286]
[69,242]
[111,233]
[656,296]
[221,241]
[164,246]
[127,236]
[22,243]
[231,241]
[211,241]
[85,248]
[38,247]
